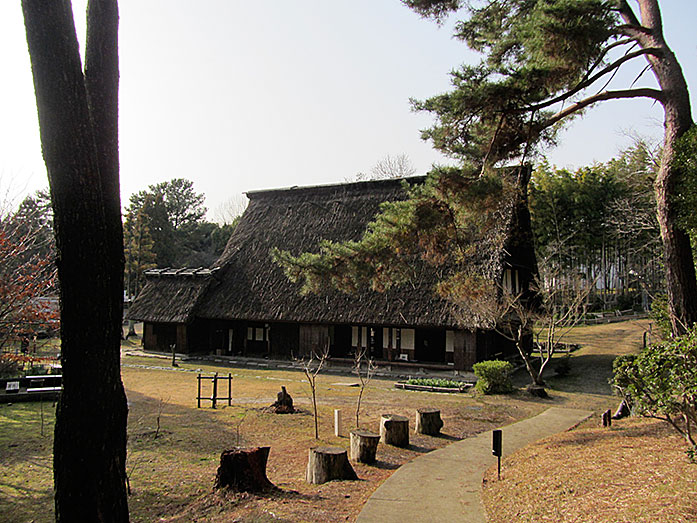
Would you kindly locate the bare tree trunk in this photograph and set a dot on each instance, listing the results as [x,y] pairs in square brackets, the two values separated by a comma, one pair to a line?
[78,124]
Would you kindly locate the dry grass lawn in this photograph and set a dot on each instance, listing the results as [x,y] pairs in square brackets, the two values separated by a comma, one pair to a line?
[171,470]
[635,472]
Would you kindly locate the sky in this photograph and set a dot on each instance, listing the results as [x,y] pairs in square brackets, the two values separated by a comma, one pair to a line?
[238,95]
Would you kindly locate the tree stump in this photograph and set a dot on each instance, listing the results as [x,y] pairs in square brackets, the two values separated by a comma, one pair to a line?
[394,430]
[243,469]
[606,418]
[364,445]
[537,390]
[284,403]
[328,463]
[428,422]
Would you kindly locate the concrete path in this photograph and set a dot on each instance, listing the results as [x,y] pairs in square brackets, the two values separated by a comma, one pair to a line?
[444,484]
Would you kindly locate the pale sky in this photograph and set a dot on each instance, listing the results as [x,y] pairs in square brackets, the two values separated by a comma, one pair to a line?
[242,95]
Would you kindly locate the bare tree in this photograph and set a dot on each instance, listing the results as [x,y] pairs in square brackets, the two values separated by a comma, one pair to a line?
[227,212]
[364,367]
[312,367]
[389,167]
[555,307]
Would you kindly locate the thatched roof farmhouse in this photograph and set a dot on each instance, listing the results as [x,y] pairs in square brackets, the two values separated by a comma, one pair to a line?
[245,305]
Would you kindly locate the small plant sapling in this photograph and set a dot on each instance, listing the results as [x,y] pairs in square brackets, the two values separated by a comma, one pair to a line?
[312,367]
[364,367]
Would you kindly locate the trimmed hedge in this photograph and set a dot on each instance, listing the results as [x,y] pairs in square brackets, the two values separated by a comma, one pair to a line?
[494,377]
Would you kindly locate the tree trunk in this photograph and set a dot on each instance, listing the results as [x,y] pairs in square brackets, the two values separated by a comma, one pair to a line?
[328,463]
[364,445]
[428,422]
[394,430]
[78,124]
[244,470]
[677,253]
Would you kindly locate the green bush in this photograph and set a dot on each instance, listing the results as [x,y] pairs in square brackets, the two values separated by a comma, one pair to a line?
[494,377]
[660,316]
[661,382]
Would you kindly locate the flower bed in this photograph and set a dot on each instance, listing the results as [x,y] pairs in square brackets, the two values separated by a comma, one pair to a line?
[433,385]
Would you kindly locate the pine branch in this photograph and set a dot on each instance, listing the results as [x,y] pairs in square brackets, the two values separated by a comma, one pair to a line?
[600,97]
[591,80]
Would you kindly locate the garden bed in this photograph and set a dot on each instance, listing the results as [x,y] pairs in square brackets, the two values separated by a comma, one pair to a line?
[434,385]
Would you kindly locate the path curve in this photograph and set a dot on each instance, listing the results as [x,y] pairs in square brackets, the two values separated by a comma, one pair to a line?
[444,484]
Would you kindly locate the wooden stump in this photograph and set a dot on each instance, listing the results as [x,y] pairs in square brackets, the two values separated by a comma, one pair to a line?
[364,445]
[328,463]
[244,470]
[394,430]
[606,419]
[284,403]
[537,390]
[428,421]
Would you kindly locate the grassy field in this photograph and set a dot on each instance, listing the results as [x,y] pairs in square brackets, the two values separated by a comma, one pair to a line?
[174,447]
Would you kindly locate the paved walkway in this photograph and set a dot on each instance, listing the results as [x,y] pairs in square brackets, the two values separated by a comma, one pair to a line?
[444,484]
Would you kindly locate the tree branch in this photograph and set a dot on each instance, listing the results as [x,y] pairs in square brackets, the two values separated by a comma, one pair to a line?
[600,97]
[589,81]
[627,14]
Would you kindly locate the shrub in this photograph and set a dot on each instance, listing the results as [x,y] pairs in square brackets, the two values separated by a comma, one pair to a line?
[494,376]
[661,382]
[661,316]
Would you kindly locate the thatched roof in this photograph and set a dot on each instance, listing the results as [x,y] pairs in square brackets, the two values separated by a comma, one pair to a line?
[170,295]
[251,286]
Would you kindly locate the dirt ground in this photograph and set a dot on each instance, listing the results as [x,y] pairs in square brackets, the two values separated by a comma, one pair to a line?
[174,447]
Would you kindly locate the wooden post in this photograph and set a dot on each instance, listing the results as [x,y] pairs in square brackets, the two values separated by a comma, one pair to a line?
[229,390]
[607,418]
[338,428]
[214,396]
[198,396]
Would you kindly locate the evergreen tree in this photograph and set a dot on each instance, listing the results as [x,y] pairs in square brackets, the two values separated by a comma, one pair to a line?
[78,123]
[138,251]
[545,61]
